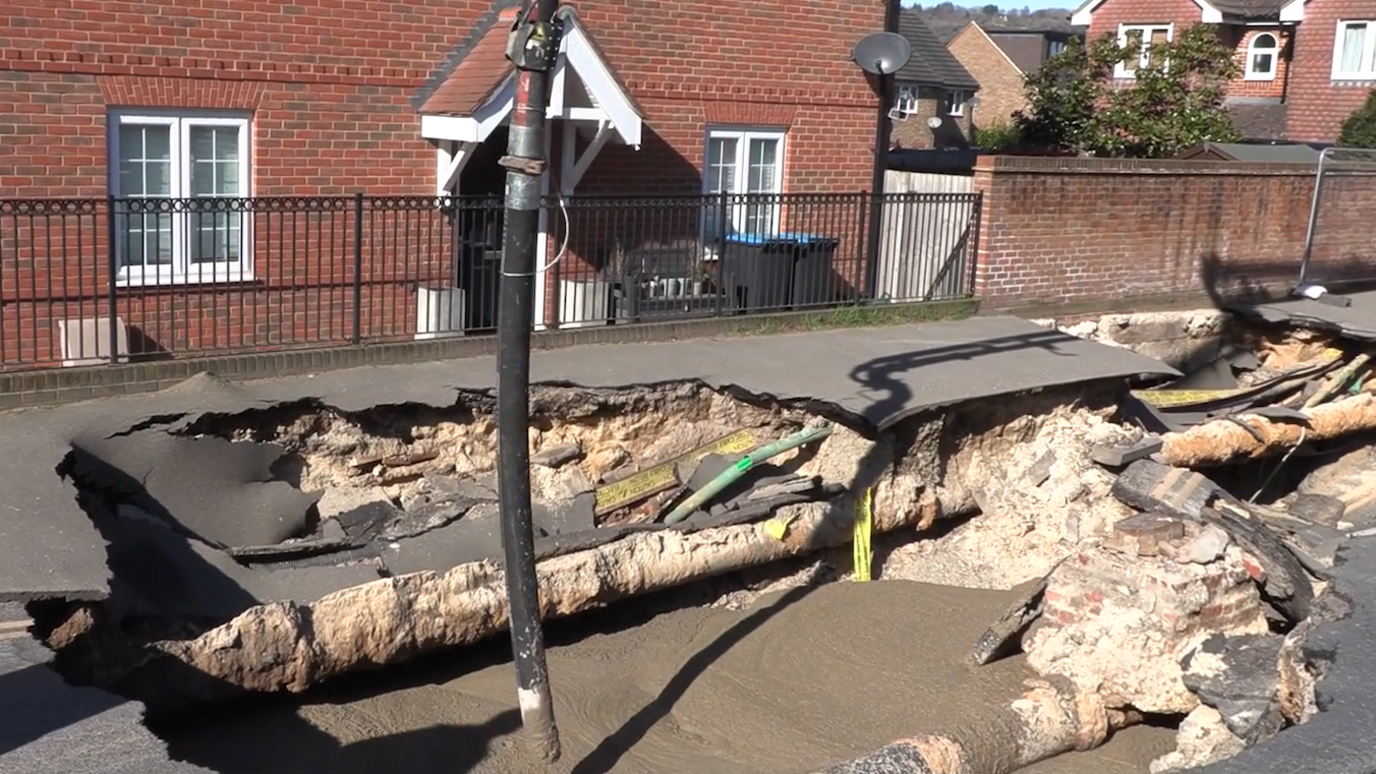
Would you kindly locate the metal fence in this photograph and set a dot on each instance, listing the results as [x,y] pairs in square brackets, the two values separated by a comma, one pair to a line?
[81,280]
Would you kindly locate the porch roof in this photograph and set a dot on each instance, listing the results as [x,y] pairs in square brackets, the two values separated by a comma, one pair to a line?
[479,94]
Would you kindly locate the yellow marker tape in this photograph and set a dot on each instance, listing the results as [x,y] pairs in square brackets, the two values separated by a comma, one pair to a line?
[864,524]
[777,527]
[657,478]
[1169,398]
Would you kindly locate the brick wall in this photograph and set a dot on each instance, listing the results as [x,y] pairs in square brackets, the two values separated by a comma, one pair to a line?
[1318,104]
[1107,17]
[1001,92]
[1069,229]
[912,132]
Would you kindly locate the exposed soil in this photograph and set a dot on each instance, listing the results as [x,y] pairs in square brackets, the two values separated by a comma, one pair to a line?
[797,680]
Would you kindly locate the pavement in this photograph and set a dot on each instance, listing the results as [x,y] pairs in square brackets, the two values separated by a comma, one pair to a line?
[50,548]
[1357,321]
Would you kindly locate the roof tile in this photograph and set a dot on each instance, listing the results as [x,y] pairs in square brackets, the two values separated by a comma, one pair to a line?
[931,64]
[483,70]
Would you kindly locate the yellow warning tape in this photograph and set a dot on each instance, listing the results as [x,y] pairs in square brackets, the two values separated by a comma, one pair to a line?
[864,525]
[1168,398]
[656,479]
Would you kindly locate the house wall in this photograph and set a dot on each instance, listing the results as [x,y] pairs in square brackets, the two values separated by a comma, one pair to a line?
[1318,105]
[1066,229]
[1001,92]
[913,133]
[1107,17]
[331,101]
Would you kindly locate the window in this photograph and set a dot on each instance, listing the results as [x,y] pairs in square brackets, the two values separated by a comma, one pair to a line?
[1143,38]
[1054,48]
[954,104]
[906,104]
[1353,55]
[185,160]
[1262,53]
[746,161]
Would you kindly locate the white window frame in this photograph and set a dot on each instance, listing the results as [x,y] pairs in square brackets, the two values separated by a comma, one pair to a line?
[1251,73]
[959,98]
[907,100]
[1055,48]
[1119,70]
[743,135]
[1368,66]
[181,271]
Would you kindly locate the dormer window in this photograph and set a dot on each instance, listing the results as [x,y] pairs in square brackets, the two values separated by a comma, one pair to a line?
[906,103]
[1263,52]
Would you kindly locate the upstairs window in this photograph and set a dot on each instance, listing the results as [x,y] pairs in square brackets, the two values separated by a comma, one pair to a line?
[955,103]
[1054,48]
[1353,55]
[164,168]
[1142,38]
[1263,51]
[906,104]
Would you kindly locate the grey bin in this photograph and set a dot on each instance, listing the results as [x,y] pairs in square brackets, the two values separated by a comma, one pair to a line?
[780,272]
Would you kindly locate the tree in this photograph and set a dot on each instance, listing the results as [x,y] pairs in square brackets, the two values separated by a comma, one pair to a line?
[1359,130]
[990,10]
[1174,101]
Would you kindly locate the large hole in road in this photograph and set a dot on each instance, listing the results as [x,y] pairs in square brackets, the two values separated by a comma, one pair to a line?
[297,550]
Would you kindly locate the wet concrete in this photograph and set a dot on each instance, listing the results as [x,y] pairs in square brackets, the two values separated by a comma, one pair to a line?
[796,681]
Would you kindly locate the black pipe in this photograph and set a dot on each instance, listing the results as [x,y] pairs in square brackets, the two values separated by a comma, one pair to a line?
[525,164]
[882,131]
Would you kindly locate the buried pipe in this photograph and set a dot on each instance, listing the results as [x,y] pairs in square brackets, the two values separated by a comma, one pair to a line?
[1042,723]
[1223,440]
[289,647]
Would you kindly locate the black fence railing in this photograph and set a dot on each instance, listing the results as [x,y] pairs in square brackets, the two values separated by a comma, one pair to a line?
[144,278]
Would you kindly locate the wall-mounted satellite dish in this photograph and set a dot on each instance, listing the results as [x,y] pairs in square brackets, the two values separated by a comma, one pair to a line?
[882,53]
[934,122]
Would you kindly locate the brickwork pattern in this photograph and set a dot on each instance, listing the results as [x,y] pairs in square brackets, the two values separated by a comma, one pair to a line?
[1318,104]
[1238,39]
[1061,230]
[1001,91]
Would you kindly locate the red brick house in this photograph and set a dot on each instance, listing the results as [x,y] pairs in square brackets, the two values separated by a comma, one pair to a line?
[324,98]
[1001,60]
[1260,32]
[932,87]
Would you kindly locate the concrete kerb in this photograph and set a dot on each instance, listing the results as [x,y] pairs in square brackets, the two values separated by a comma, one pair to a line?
[22,389]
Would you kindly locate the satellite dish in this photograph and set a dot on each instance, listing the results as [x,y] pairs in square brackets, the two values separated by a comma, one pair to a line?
[934,122]
[882,53]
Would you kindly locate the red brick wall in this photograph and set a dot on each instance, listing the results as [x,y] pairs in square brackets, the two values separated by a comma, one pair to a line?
[1061,230]
[1001,90]
[1318,105]
[329,86]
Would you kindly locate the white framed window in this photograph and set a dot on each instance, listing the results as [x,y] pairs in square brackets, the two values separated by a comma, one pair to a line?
[1144,38]
[906,103]
[1263,55]
[1354,51]
[165,168]
[955,102]
[746,161]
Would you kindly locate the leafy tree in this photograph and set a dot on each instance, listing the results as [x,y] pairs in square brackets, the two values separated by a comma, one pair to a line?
[1174,102]
[1359,130]
[990,10]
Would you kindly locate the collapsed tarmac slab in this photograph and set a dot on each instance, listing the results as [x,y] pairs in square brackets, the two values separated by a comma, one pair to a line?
[874,376]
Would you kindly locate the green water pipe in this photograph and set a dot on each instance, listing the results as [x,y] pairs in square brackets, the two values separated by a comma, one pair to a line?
[733,474]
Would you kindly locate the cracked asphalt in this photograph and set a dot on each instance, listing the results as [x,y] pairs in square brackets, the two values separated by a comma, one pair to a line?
[50,549]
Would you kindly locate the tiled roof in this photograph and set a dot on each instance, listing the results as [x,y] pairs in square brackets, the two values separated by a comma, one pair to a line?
[1250,9]
[481,72]
[931,64]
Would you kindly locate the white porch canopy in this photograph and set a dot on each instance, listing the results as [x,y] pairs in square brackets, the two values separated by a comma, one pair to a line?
[583,91]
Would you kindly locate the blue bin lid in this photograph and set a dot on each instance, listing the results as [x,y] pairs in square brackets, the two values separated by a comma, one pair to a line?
[760,239]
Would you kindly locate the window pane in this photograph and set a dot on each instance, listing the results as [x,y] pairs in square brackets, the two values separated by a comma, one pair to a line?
[217,239]
[1264,42]
[145,160]
[764,164]
[1261,63]
[721,165]
[214,161]
[1354,41]
[144,239]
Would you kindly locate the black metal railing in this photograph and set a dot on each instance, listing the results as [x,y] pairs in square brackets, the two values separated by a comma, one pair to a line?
[147,278]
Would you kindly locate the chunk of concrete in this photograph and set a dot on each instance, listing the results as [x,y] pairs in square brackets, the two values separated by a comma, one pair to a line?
[1118,456]
[1324,509]
[342,499]
[557,456]
[1205,547]
[1240,677]
[1150,486]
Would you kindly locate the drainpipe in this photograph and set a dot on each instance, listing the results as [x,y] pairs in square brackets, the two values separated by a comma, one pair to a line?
[1289,51]
[882,133]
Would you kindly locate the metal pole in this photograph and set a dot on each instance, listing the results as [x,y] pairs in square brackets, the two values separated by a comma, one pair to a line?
[533,48]
[882,130]
[1313,218]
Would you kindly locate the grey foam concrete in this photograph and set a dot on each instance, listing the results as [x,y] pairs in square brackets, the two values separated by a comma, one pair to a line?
[1357,321]
[48,546]
[1342,738]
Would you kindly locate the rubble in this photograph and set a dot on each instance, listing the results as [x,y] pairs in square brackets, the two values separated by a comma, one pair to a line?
[1203,739]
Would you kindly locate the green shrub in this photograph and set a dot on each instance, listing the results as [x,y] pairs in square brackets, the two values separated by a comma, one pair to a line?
[996,137]
[1359,130]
